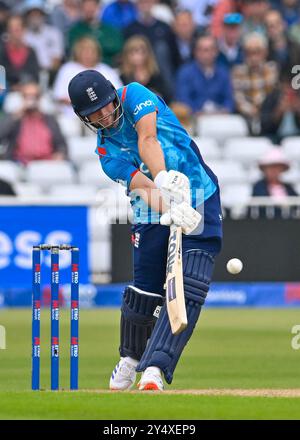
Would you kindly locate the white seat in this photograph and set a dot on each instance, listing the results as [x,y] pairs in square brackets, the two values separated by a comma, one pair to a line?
[229,172]
[92,173]
[14,102]
[292,175]
[234,195]
[49,172]
[208,148]
[254,174]
[73,191]
[100,256]
[69,125]
[221,127]
[82,149]
[10,171]
[291,147]
[247,150]
[24,189]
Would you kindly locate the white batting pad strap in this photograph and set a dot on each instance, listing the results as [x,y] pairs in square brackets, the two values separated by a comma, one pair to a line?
[143,292]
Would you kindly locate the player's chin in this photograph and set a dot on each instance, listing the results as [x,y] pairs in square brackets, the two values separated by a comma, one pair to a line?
[115,124]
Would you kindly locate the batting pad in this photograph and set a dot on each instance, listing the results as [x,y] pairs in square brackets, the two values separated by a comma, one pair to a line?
[164,349]
[139,314]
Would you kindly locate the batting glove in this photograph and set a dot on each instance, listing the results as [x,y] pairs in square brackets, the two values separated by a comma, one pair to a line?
[174,187]
[182,214]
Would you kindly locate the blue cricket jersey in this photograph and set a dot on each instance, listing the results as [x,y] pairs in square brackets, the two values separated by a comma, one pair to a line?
[120,159]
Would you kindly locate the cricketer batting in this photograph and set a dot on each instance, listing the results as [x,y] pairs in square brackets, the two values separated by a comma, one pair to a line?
[142,145]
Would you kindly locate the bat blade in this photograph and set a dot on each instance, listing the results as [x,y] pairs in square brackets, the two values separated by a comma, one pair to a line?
[174,282]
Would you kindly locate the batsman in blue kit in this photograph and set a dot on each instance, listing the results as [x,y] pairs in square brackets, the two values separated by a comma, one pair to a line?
[142,145]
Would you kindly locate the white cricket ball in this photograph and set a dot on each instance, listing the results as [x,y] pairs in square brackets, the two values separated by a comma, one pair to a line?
[234,266]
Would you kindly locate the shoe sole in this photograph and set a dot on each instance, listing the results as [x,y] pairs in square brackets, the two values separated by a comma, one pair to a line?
[151,386]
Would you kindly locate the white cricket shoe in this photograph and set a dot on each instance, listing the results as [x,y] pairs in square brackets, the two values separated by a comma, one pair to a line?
[151,380]
[124,375]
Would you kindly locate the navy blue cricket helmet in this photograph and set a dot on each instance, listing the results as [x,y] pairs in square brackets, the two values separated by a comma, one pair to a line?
[90,91]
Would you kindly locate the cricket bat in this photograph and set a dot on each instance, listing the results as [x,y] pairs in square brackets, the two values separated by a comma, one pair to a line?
[174,282]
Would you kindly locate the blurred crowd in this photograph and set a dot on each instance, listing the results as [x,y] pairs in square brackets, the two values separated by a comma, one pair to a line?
[204,57]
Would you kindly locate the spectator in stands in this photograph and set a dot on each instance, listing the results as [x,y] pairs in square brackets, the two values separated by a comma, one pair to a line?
[31,134]
[254,80]
[87,54]
[272,165]
[222,8]
[282,48]
[290,11]
[201,10]
[231,52]
[254,12]
[280,111]
[119,13]
[294,32]
[185,33]
[4,14]
[184,115]
[162,11]
[6,188]
[2,86]
[46,40]
[160,35]
[202,84]
[65,15]
[109,38]
[139,64]
[19,60]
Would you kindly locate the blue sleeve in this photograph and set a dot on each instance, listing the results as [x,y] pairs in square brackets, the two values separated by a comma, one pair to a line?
[118,170]
[140,101]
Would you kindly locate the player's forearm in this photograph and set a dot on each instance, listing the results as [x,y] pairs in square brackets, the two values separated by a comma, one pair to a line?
[146,189]
[152,155]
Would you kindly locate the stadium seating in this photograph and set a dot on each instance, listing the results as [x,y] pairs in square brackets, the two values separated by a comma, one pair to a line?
[291,146]
[232,195]
[10,171]
[228,172]
[221,127]
[24,189]
[92,173]
[69,125]
[246,150]
[73,192]
[208,148]
[82,149]
[48,173]
[292,175]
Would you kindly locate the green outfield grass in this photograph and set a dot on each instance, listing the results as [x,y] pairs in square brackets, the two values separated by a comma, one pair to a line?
[230,349]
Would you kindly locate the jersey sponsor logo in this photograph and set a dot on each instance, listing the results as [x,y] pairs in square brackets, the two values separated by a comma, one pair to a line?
[91,94]
[136,241]
[142,105]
